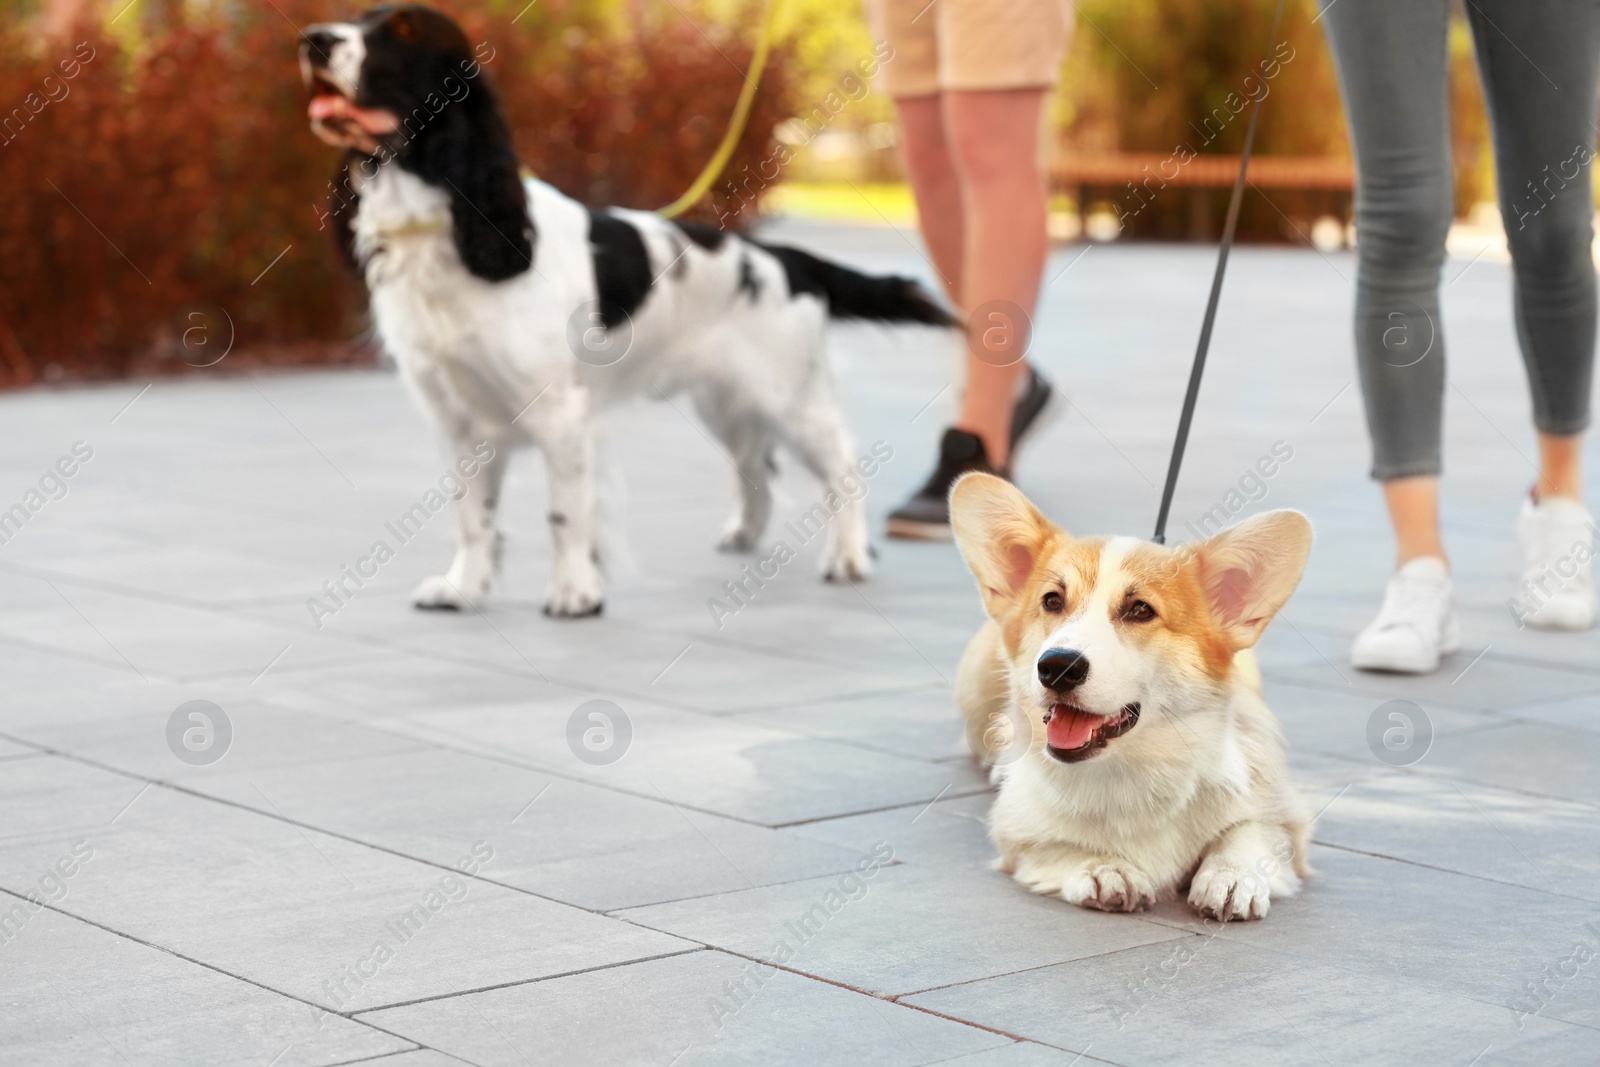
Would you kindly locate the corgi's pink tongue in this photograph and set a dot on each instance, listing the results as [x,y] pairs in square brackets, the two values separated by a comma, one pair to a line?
[1070,728]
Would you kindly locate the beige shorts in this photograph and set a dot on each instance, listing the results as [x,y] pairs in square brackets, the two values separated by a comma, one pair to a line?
[969,44]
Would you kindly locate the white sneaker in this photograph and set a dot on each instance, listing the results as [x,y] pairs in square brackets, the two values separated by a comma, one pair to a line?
[1557,540]
[1417,623]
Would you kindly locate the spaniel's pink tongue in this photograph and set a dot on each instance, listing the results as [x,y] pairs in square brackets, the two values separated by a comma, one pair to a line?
[328,106]
[1070,728]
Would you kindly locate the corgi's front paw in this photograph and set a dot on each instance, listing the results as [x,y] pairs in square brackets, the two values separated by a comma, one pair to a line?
[1109,887]
[1226,892]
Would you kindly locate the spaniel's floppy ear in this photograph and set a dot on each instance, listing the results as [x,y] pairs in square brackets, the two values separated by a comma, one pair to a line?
[1001,536]
[1249,571]
[469,155]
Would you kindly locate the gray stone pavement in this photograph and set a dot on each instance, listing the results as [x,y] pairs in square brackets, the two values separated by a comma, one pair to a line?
[251,910]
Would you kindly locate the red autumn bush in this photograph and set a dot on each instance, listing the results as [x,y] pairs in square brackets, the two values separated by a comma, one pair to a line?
[159,203]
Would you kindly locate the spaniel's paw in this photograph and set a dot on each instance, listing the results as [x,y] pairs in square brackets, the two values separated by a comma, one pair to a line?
[848,565]
[575,597]
[737,538]
[438,593]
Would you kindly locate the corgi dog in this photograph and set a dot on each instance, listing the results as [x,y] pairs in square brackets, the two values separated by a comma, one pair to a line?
[1114,693]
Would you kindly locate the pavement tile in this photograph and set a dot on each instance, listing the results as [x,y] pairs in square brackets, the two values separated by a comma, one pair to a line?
[723,677]
[912,927]
[1233,1003]
[237,891]
[715,764]
[397,687]
[1492,624]
[1581,712]
[1551,761]
[570,841]
[132,734]
[865,634]
[1490,684]
[515,636]
[195,572]
[1335,721]
[1544,844]
[10,750]
[1022,1054]
[1287,645]
[687,1009]
[159,640]
[35,669]
[66,998]
[1373,915]
[919,722]
[950,833]
[422,1057]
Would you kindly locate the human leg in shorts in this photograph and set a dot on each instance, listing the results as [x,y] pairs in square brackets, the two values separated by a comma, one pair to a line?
[970,79]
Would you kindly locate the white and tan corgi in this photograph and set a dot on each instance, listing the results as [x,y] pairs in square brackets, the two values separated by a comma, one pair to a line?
[1141,758]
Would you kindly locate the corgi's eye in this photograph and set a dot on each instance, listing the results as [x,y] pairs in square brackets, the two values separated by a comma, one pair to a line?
[1138,611]
[1053,602]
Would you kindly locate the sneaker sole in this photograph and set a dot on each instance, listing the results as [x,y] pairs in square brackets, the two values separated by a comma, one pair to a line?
[912,530]
[1580,618]
[1392,666]
[1449,645]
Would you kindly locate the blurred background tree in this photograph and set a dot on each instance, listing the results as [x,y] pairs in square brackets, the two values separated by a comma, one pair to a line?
[1143,74]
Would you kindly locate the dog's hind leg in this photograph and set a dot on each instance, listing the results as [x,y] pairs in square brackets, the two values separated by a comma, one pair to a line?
[749,445]
[477,557]
[814,428]
[563,431]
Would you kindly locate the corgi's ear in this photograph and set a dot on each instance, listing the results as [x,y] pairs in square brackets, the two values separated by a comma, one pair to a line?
[1001,536]
[1249,571]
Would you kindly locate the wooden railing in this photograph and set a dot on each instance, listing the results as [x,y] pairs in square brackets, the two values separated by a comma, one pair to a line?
[1115,169]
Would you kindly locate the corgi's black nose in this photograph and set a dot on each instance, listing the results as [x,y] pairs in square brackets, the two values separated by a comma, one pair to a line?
[1063,668]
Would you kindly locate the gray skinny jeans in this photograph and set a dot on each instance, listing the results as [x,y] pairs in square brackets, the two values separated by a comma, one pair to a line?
[1538,61]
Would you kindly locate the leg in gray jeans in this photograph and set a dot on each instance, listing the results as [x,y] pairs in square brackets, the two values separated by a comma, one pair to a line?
[1538,62]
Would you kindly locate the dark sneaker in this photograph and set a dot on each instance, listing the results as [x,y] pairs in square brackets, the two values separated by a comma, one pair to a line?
[926,516]
[1029,413]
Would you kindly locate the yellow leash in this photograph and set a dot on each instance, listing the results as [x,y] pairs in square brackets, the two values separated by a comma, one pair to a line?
[741,115]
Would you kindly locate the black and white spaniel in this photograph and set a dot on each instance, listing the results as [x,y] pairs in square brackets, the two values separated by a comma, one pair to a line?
[515,314]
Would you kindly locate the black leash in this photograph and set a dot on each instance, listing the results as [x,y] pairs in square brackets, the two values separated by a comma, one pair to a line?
[1160,536]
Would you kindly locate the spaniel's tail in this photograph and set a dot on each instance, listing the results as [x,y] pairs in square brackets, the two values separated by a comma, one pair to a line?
[852,295]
